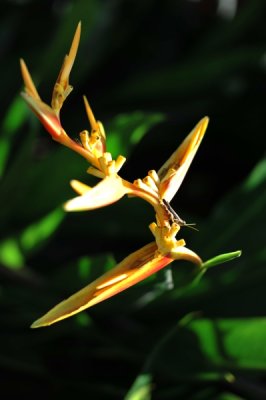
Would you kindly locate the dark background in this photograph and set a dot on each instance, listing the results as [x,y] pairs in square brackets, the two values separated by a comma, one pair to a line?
[158,67]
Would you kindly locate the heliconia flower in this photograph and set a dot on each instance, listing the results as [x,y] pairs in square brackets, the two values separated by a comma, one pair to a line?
[150,258]
[157,189]
[93,144]
[154,188]
[49,116]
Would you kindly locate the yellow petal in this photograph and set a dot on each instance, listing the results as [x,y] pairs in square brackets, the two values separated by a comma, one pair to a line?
[108,191]
[97,136]
[174,170]
[46,115]
[133,269]
[69,59]
[62,88]
[29,85]
[93,123]
[79,187]
[183,253]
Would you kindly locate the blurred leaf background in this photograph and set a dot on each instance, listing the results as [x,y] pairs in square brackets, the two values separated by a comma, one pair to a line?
[150,70]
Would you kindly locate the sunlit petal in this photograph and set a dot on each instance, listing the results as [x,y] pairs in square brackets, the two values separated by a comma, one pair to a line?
[79,187]
[69,59]
[97,136]
[174,170]
[108,191]
[62,87]
[133,269]
[28,82]
[183,253]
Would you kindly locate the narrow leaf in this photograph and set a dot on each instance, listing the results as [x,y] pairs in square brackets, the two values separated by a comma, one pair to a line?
[220,259]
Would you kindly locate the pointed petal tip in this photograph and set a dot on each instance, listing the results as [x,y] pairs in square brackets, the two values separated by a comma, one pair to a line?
[204,122]
[78,29]
[79,187]
[199,131]
[43,322]
[28,82]
[90,115]
[23,69]
[75,42]
[36,324]
[21,61]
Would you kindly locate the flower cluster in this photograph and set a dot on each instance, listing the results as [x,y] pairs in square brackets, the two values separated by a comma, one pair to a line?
[157,188]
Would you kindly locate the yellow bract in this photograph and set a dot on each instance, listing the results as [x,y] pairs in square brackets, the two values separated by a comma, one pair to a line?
[175,168]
